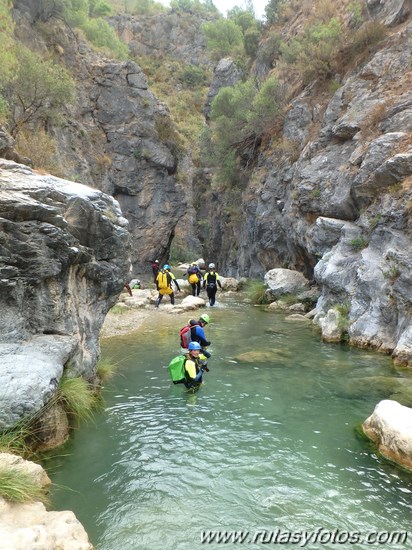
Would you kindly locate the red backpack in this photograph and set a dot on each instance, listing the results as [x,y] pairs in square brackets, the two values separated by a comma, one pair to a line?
[186,334]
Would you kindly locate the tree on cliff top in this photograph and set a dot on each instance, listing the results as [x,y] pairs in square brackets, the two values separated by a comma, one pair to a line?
[36,91]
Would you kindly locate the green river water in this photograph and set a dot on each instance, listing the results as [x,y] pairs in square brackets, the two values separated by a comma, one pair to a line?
[263,446]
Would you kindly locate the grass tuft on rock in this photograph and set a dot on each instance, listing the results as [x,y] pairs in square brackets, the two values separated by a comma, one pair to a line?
[106,369]
[18,486]
[77,397]
[15,440]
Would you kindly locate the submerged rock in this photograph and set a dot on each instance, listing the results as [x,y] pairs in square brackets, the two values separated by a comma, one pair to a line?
[268,356]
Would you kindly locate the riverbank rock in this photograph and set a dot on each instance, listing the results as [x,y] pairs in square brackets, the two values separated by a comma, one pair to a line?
[390,428]
[285,281]
[229,283]
[35,471]
[142,298]
[64,263]
[192,302]
[30,526]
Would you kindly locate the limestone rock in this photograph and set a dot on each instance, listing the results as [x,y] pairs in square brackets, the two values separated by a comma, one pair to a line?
[330,325]
[64,262]
[390,427]
[36,472]
[192,302]
[229,283]
[140,298]
[285,281]
[31,526]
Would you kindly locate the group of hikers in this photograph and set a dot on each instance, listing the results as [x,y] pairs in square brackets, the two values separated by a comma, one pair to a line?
[188,368]
[164,279]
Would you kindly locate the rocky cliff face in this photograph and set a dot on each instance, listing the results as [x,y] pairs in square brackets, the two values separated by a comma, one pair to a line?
[64,259]
[117,137]
[334,199]
[331,198]
[175,34]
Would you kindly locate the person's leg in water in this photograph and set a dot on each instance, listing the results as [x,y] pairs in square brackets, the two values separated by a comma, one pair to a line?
[198,288]
[172,298]
[211,292]
[193,285]
[159,299]
[214,290]
[209,295]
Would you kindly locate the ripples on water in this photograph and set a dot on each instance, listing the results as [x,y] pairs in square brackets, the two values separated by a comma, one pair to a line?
[266,445]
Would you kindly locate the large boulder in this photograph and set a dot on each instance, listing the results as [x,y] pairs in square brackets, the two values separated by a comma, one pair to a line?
[390,428]
[64,260]
[285,281]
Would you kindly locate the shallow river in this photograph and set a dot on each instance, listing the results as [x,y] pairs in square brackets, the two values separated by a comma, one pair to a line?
[267,446]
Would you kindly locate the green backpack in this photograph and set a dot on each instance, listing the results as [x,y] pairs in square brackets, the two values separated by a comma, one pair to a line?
[177,369]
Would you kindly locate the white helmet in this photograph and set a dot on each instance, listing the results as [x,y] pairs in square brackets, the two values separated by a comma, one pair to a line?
[212,266]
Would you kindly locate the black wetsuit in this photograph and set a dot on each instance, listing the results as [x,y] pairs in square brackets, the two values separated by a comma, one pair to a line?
[210,281]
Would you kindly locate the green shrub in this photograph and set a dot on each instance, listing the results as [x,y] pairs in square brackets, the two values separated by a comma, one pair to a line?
[272,10]
[288,299]
[196,6]
[358,243]
[118,310]
[18,486]
[315,53]
[102,35]
[269,48]
[8,62]
[47,9]
[4,110]
[343,309]
[239,115]
[256,291]
[192,76]
[392,273]
[251,41]
[99,8]
[138,7]
[355,10]
[180,253]
[223,38]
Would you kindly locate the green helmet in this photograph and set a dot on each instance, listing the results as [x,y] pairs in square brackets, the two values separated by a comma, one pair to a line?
[205,317]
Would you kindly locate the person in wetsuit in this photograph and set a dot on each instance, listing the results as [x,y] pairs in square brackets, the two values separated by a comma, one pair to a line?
[193,366]
[210,282]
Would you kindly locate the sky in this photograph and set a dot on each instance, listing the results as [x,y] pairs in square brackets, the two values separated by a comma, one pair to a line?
[224,5]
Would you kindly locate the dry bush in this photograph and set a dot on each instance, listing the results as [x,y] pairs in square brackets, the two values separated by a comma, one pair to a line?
[292,9]
[405,144]
[363,40]
[407,186]
[324,10]
[285,150]
[371,123]
[41,149]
